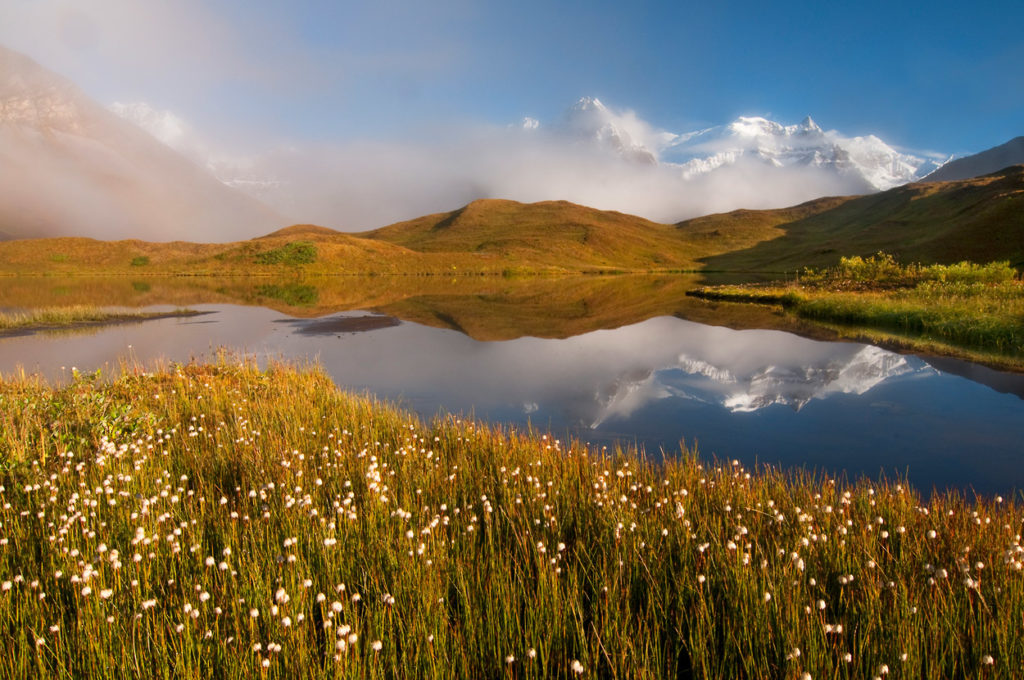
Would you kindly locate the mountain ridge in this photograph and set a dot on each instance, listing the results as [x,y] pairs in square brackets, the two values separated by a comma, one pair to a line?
[979,219]
[866,163]
[70,167]
[982,163]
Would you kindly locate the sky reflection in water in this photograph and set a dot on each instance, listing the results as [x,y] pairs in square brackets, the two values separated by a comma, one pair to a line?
[757,395]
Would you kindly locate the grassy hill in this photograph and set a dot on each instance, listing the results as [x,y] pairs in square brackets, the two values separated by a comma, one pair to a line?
[979,219]
[489,236]
[741,229]
[310,250]
[555,234]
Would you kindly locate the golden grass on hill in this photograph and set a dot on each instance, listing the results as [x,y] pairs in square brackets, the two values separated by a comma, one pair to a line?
[223,521]
[979,219]
[553,233]
[485,237]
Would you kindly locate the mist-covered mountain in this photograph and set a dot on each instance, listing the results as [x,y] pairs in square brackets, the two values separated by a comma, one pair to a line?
[69,167]
[864,164]
[983,163]
[239,172]
[592,155]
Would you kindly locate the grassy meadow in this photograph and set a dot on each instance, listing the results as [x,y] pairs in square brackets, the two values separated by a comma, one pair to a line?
[976,308]
[226,521]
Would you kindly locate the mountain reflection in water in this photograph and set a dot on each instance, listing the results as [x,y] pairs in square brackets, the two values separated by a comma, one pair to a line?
[755,395]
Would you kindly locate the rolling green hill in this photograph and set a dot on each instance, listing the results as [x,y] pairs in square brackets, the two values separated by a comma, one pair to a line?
[555,234]
[979,219]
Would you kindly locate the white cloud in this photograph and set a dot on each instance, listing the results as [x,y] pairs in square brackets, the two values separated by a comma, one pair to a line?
[364,185]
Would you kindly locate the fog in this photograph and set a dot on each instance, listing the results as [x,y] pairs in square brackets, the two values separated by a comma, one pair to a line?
[364,185]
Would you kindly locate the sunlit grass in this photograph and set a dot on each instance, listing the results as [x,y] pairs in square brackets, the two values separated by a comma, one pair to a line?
[970,305]
[223,521]
[62,317]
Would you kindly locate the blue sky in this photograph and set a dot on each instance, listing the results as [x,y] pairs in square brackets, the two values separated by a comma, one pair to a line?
[934,76]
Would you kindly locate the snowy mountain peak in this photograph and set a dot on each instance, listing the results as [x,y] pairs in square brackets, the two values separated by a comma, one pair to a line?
[589,104]
[164,125]
[624,133]
[808,125]
[847,164]
[755,126]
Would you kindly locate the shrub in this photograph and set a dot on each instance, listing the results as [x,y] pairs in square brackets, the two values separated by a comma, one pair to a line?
[295,253]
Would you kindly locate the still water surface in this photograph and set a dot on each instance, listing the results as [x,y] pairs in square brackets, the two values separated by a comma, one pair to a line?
[760,396]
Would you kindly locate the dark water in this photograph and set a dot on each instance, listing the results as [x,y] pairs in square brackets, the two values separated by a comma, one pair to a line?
[754,395]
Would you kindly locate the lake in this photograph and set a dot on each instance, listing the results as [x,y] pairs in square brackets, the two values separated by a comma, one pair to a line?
[623,361]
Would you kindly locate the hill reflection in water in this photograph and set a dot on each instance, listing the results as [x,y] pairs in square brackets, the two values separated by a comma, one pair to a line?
[756,395]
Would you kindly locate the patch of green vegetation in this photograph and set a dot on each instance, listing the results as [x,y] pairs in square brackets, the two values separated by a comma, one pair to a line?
[882,270]
[975,306]
[294,253]
[58,257]
[140,261]
[141,286]
[454,549]
[291,294]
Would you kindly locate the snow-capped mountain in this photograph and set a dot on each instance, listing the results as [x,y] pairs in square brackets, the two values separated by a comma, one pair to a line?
[865,164]
[624,133]
[69,167]
[164,125]
[238,172]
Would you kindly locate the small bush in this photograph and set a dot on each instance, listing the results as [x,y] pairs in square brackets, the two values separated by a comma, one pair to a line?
[298,252]
[140,261]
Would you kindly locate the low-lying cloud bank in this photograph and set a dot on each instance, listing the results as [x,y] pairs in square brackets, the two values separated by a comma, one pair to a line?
[365,185]
[595,156]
